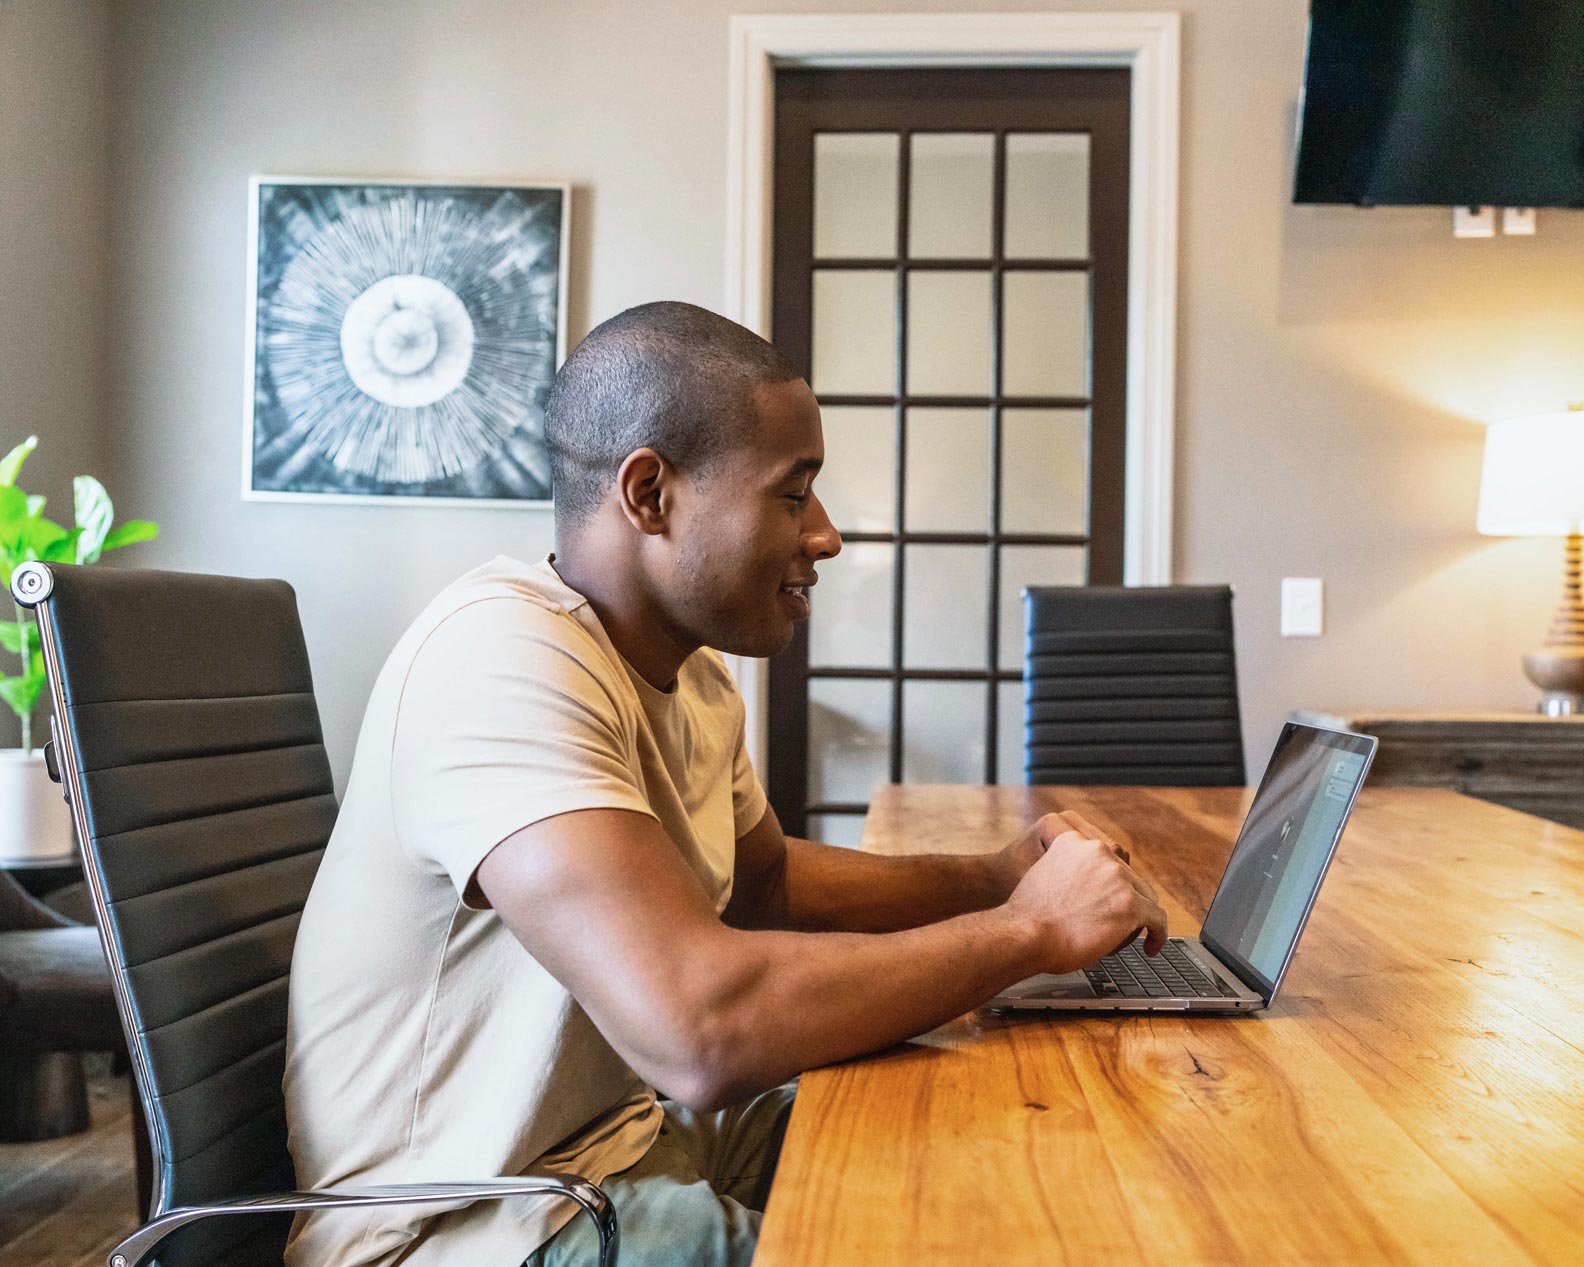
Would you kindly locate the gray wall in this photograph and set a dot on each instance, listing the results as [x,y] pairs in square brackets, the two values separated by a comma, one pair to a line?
[54,203]
[1334,364]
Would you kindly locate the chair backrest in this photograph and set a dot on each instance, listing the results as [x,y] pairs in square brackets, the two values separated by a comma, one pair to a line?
[1131,685]
[188,739]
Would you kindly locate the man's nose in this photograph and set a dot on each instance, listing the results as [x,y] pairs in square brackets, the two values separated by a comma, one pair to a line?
[820,538]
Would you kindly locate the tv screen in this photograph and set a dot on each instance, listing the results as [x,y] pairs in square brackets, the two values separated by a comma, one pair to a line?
[1443,103]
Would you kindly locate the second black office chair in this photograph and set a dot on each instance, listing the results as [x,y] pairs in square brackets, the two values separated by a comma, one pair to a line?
[188,739]
[1131,685]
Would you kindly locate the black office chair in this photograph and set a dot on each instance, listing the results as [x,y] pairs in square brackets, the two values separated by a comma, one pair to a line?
[1131,686]
[187,735]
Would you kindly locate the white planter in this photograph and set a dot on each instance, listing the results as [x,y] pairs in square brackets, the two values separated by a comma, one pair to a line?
[34,819]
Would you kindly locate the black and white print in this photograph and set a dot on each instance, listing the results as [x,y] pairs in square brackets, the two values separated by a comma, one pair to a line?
[402,339]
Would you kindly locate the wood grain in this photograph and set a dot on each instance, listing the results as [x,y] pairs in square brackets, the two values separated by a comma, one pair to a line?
[67,1202]
[1416,1095]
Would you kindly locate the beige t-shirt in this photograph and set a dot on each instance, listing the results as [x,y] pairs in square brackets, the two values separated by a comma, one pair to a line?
[424,1042]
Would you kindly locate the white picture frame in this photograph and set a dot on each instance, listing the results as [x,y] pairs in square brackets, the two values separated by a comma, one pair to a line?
[401,336]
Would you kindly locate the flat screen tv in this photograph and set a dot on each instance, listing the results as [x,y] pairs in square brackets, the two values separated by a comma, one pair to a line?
[1443,103]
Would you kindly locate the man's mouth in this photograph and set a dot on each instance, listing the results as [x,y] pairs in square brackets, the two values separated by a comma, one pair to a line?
[795,599]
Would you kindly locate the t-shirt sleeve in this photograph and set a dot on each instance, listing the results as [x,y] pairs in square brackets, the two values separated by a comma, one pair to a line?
[504,720]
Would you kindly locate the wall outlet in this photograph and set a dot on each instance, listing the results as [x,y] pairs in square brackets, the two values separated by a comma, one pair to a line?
[1518,220]
[1302,607]
[1473,222]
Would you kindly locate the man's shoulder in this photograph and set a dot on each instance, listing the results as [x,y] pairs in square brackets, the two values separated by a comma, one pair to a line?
[502,611]
[505,595]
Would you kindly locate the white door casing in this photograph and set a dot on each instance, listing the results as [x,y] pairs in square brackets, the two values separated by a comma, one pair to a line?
[1148,44]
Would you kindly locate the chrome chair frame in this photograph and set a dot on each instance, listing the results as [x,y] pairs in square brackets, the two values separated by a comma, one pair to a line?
[31,586]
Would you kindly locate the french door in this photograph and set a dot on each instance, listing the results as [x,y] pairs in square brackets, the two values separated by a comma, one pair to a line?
[951,276]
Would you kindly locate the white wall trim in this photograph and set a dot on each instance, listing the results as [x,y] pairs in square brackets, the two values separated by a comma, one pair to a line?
[1149,44]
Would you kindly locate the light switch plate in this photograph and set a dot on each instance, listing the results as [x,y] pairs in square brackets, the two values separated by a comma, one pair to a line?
[1518,220]
[1302,607]
[1473,222]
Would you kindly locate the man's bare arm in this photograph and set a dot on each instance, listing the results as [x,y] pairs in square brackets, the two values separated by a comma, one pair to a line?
[784,882]
[711,1014]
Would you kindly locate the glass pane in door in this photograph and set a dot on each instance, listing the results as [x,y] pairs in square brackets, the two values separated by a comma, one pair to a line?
[855,195]
[850,617]
[944,620]
[849,739]
[951,192]
[857,484]
[1011,751]
[948,470]
[1045,471]
[943,732]
[854,333]
[1047,195]
[948,341]
[1045,334]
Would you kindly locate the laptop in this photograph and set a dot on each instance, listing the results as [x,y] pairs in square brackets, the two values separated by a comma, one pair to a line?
[1237,962]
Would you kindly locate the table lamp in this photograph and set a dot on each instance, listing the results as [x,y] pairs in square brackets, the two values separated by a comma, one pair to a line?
[1533,486]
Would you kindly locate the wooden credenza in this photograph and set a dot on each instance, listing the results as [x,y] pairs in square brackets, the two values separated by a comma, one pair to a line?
[1524,761]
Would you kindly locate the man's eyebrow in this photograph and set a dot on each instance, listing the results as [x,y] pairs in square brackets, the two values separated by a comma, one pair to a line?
[801,466]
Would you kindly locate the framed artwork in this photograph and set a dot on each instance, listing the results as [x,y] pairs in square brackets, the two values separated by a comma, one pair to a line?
[401,339]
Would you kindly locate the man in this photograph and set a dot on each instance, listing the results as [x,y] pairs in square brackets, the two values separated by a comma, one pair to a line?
[555,887]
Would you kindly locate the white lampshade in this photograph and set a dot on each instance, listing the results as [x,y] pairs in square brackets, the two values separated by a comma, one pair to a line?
[1533,481]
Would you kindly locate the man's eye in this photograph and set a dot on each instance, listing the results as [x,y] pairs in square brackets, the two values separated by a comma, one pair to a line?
[799,498]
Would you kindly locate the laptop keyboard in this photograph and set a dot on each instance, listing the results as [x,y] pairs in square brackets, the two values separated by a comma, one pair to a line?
[1173,974]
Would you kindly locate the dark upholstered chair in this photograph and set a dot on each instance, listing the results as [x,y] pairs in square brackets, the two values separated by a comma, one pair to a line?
[1131,686]
[55,1003]
[187,734]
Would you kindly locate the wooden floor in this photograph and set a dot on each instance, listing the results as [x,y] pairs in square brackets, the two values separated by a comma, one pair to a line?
[66,1202]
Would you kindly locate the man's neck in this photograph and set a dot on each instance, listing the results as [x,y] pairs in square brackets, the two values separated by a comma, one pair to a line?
[626,613]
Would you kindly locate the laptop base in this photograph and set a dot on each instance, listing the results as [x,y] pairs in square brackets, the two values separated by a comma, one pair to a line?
[1074,992]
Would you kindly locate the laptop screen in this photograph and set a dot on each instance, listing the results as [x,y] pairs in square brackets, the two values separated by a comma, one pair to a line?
[1281,855]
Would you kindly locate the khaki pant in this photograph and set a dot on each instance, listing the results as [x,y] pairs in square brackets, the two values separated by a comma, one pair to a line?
[696,1198]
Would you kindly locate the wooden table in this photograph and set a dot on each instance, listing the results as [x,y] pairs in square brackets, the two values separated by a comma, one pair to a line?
[1416,1095]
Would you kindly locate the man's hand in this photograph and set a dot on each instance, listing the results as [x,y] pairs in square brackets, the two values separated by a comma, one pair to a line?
[1081,892]
[1008,865]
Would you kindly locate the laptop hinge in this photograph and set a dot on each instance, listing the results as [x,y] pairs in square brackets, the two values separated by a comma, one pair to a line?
[1249,980]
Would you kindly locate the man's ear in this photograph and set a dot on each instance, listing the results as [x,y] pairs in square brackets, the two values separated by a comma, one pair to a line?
[643,490]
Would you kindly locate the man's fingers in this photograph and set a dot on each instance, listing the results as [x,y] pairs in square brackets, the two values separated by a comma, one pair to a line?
[1154,919]
[1143,886]
[1081,824]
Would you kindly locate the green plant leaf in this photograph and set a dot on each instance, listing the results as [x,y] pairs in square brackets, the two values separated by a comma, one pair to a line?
[35,504]
[94,516]
[40,534]
[14,633]
[12,462]
[22,693]
[130,533]
[62,549]
[13,515]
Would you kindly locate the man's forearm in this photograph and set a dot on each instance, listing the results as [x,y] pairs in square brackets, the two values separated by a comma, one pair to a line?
[794,1001]
[826,889]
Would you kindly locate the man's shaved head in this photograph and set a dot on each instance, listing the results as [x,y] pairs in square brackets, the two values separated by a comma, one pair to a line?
[666,376]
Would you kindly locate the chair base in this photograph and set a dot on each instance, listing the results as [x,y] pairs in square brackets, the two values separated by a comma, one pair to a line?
[43,1095]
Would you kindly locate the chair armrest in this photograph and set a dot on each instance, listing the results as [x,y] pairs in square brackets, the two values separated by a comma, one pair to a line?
[136,1249]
